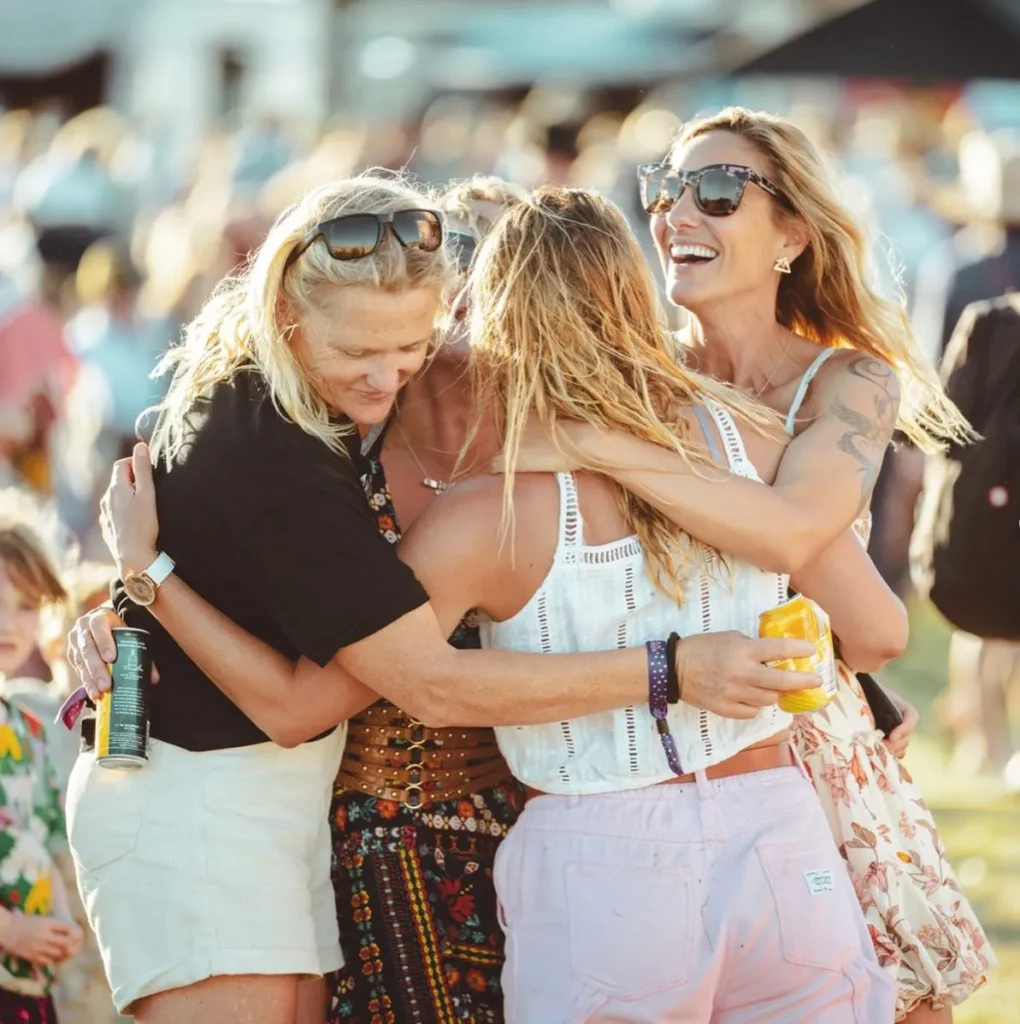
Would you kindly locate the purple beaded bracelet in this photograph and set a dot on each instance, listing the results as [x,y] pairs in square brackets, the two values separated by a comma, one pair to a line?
[658,689]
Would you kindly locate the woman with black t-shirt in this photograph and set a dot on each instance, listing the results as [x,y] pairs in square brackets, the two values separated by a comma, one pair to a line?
[206,874]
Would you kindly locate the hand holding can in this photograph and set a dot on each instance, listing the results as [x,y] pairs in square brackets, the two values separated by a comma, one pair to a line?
[122,714]
[802,619]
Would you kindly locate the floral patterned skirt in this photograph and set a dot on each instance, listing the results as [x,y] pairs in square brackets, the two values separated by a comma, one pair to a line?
[925,932]
[417,908]
[15,1009]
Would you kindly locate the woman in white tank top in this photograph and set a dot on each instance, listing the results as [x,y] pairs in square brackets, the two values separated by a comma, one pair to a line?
[682,879]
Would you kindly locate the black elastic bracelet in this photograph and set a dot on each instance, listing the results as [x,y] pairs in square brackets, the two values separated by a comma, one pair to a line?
[672,679]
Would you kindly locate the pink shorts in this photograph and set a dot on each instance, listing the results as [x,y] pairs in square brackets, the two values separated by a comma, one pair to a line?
[719,901]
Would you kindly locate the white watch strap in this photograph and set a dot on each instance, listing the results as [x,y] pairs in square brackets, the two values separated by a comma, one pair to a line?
[160,568]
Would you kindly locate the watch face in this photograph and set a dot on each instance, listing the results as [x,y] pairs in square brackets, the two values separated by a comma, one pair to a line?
[140,589]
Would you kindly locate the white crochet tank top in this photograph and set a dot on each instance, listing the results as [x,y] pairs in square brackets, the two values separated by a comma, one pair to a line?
[599,597]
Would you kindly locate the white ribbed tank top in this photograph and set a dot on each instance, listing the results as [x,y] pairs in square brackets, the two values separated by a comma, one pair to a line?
[595,598]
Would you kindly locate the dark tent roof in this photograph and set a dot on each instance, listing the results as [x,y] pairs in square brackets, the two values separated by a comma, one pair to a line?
[925,39]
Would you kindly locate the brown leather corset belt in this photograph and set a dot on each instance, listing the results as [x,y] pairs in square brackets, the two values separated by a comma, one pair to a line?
[394,757]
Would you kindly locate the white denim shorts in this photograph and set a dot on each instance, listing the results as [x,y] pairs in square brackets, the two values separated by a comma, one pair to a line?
[207,863]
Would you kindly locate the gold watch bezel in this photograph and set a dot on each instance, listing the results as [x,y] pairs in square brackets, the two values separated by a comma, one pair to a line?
[140,588]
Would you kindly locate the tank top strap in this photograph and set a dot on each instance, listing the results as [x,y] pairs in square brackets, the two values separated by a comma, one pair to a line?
[733,444]
[571,533]
[802,388]
[705,420]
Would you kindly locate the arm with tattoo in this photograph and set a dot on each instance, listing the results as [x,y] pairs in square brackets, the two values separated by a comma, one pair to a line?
[868,437]
[823,482]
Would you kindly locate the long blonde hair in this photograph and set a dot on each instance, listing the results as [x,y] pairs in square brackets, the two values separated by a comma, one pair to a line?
[828,297]
[245,322]
[566,324]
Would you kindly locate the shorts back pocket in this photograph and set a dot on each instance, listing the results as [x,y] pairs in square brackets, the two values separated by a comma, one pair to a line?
[632,928]
[814,903]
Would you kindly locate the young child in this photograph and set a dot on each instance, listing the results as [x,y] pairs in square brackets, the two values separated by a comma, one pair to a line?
[82,993]
[36,930]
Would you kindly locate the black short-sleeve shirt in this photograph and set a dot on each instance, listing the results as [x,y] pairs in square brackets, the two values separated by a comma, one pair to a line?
[273,528]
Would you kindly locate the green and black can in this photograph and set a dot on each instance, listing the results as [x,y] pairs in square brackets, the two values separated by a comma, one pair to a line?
[122,715]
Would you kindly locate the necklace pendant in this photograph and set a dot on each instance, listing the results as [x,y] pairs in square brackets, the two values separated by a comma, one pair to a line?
[435,485]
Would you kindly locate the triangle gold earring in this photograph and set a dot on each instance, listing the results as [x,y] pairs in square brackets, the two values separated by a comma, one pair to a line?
[782,266]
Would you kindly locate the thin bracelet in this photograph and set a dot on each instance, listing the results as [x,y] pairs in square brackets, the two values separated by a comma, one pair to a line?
[658,673]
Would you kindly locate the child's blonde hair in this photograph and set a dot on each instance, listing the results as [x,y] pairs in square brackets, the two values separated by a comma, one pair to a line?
[29,550]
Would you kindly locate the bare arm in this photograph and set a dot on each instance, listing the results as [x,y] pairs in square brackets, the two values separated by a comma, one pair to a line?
[411,661]
[824,481]
[453,550]
[869,619]
[289,701]
[408,661]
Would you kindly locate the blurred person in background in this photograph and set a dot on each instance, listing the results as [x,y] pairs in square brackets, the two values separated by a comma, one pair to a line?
[71,200]
[81,993]
[263,150]
[116,343]
[37,931]
[966,548]
[15,140]
[981,263]
[416,843]
[38,371]
[955,275]
[771,266]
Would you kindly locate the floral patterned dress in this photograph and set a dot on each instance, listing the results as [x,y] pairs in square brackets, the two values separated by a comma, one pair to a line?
[924,930]
[416,902]
[32,826]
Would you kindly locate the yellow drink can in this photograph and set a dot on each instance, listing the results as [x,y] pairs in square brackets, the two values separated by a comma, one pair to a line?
[802,619]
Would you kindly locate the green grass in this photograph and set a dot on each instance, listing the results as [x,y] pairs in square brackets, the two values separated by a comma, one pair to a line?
[978,820]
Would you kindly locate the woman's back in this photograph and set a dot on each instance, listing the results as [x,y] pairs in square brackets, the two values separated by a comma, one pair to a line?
[595,592]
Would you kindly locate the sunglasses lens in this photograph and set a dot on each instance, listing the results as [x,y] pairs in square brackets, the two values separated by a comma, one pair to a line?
[660,189]
[350,238]
[419,229]
[718,193]
[463,246]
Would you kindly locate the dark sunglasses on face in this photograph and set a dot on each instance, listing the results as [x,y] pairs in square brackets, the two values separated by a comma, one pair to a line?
[463,245]
[356,235]
[717,189]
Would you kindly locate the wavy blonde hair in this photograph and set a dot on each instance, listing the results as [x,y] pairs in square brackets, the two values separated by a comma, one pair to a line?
[566,324]
[249,318]
[828,297]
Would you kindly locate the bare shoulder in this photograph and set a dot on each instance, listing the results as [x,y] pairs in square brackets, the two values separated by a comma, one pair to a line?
[856,389]
[483,495]
[513,557]
[854,376]
[474,509]
[462,513]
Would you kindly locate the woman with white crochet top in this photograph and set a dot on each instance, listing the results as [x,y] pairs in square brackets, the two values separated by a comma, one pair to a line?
[664,871]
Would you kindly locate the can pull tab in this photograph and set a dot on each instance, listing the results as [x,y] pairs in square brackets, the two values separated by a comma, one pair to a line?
[70,711]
